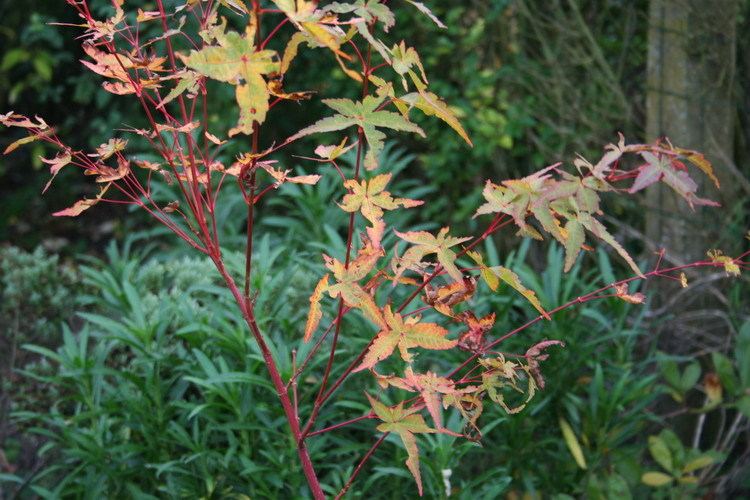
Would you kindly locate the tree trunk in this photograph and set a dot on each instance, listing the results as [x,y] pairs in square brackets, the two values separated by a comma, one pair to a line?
[691,65]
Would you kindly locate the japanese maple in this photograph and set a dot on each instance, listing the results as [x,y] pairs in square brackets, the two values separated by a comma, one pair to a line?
[172,87]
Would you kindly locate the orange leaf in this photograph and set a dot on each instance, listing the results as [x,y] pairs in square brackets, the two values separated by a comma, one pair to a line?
[82,205]
[405,335]
[622,292]
[313,317]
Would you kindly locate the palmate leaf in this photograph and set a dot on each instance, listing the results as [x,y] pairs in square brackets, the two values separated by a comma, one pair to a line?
[501,374]
[406,423]
[361,114]
[312,23]
[403,60]
[550,200]
[518,198]
[348,287]
[664,168]
[370,200]
[405,335]
[56,164]
[235,59]
[426,244]
[430,386]
[730,266]
[365,13]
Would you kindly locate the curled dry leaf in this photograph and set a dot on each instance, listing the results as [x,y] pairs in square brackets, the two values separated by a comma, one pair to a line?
[172,206]
[622,292]
[533,358]
[446,296]
[474,339]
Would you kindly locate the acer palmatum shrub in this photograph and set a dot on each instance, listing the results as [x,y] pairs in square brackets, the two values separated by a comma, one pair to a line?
[177,61]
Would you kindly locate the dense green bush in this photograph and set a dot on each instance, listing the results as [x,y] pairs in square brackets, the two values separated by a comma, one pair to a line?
[161,395]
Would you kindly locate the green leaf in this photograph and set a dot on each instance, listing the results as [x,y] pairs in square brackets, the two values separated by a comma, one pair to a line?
[743,405]
[403,60]
[594,488]
[690,377]
[670,371]
[361,114]
[364,14]
[573,243]
[674,444]
[501,374]
[186,81]
[430,104]
[598,230]
[426,244]
[618,488]
[492,274]
[697,463]
[656,479]
[661,452]
[406,424]
[742,354]
[725,370]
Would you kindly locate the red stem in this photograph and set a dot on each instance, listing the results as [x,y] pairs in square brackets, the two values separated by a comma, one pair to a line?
[585,298]
[361,464]
[281,390]
[360,150]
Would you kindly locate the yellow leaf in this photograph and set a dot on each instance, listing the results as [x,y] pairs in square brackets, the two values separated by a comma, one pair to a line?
[697,463]
[656,479]
[572,442]
[683,280]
